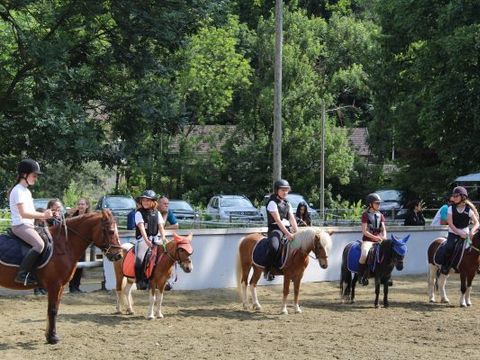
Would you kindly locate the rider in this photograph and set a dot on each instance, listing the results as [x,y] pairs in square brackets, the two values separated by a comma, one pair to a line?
[23,214]
[149,224]
[459,217]
[281,220]
[374,231]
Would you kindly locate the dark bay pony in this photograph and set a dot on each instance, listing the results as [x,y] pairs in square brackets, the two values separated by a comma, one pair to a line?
[391,254]
[306,240]
[98,228]
[467,268]
[179,250]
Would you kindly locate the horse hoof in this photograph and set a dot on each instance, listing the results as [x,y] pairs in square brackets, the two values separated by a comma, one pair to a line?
[463,305]
[284,312]
[130,312]
[298,311]
[386,305]
[257,307]
[445,301]
[53,339]
[376,306]
[150,317]
[160,316]
[352,301]
[245,307]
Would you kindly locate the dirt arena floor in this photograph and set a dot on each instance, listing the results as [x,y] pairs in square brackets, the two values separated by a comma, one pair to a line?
[211,324]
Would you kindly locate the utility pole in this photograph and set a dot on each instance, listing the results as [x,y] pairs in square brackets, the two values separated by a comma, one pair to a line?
[277,99]
[322,164]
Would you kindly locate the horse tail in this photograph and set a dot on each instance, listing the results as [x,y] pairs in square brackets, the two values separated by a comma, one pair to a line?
[345,275]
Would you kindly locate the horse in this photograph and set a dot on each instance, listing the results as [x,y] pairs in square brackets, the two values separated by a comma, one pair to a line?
[306,240]
[390,255]
[70,240]
[179,250]
[467,268]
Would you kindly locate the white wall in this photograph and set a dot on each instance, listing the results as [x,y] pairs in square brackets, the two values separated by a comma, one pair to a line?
[215,252]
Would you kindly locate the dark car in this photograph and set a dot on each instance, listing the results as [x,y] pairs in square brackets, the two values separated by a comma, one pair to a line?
[393,202]
[182,210]
[120,205]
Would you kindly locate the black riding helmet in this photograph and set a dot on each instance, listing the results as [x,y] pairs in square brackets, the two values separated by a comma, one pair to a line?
[280,184]
[148,194]
[28,166]
[461,191]
[372,198]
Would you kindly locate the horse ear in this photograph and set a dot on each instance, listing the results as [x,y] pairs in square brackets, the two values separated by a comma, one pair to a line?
[406,238]
[394,238]
[330,232]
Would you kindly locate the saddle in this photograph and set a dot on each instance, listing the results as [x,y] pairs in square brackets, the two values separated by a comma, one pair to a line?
[148,263]
[457,255]
[13,249]
[354,253]
[260,254]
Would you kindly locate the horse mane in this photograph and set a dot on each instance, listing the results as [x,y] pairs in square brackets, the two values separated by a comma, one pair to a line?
[306,236]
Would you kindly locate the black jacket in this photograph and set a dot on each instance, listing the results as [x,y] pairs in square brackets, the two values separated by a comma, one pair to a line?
[413,219]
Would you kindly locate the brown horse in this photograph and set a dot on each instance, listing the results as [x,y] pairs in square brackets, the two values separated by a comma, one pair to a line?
[467,268]
[306,240]
[179,250]
[69,246]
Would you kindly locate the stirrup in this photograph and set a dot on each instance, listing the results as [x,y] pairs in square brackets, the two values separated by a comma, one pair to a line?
[364,280]
[26,279]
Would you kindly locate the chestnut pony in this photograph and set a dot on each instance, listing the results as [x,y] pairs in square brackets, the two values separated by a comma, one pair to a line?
[179,250]
[70,240]
[306,240]
[467,268]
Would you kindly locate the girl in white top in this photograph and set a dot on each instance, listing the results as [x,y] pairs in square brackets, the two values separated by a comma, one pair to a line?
[23,214]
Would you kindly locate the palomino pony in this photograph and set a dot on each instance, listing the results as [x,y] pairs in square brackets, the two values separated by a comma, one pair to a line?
[390,255]
[179,250]
[306,240]
[70,240]
[467,268]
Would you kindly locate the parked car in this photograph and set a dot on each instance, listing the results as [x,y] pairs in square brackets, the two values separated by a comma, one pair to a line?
[233,207]
[393,202]
[294,199]
[120,205]
[41,203]
[183,210]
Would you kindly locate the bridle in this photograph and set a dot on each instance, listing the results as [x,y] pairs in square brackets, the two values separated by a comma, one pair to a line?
[106,246]
[317,250]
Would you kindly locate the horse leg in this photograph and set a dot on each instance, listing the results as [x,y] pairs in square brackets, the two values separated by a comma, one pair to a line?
[253,287]
[296,292]
[463,288]
[385,292]
[158,312]
[469,288]
[54,297]
[127,296]
[118,286]
[286,289]
[354,283]
[432,278]
[377,290]
[151,303]
[442,280]
[244,285]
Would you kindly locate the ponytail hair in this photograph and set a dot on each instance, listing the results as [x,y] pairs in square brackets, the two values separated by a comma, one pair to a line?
[19,177]
[472,206]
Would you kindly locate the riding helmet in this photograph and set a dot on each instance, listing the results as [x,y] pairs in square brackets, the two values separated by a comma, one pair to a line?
[148,194]
[372,198]
[280,184]
[27,166]
[461,191]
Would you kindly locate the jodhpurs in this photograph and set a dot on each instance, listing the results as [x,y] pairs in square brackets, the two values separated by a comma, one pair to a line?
[28,234]
[366,246]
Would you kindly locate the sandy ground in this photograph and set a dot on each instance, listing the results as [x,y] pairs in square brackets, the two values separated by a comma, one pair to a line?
[211,324]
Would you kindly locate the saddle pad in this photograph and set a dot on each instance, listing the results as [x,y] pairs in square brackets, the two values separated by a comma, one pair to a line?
[260,254]
[129,259]
[458,251]
[354,251]
[13,250]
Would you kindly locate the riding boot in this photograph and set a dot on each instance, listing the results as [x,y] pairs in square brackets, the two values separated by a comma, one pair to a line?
[363,274]
[446,264]
[25,274]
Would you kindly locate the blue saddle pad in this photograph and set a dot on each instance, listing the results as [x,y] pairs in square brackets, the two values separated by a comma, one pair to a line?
[260,255]
[439,256]
[13,250]
[354,252]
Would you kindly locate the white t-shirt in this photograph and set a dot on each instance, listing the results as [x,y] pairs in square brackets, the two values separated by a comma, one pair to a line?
[21,195]
[470,214]
[272,207]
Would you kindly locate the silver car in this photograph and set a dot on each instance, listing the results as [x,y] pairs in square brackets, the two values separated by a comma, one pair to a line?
[233,208]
